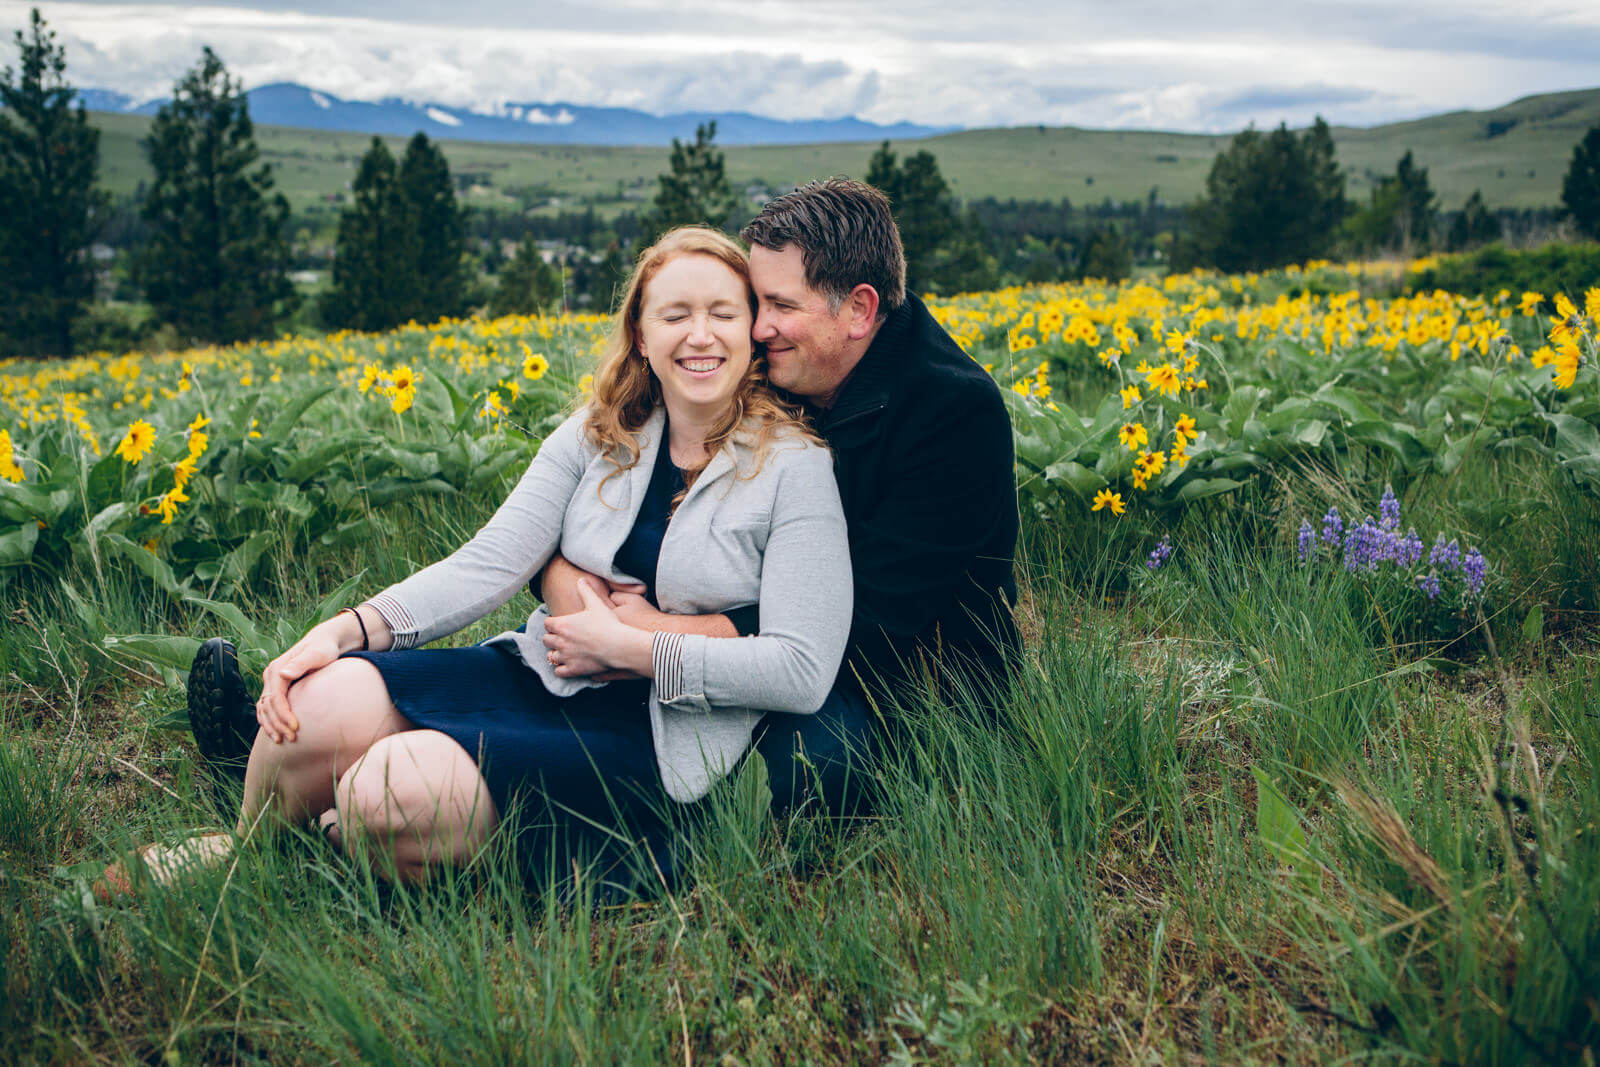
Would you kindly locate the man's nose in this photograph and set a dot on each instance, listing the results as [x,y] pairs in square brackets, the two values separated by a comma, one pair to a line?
[763,330]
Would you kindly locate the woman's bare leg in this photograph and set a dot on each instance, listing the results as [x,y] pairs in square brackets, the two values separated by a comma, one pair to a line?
[343,709]
[418,796]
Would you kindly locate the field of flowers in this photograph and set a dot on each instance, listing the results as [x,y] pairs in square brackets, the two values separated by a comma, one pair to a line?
[1302,765]
[1142,398]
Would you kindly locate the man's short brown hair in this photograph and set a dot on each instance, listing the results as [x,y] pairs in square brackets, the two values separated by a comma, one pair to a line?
[846,235]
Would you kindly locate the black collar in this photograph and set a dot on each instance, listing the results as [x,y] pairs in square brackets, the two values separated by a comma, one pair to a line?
[868,387]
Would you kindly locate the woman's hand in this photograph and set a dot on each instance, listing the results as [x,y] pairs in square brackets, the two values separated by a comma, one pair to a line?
[321,645]
[595,639]
[318,648]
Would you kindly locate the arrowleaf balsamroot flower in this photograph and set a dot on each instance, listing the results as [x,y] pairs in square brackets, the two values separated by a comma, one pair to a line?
[137,442]
[9,468]
[1105,498]
[1134,436]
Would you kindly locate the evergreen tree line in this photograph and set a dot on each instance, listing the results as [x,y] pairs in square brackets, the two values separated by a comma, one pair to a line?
[1277,198]
[213,233]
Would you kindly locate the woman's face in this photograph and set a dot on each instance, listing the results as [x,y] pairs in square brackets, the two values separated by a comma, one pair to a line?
[694,328]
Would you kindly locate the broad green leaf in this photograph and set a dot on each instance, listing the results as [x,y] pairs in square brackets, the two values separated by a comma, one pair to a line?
[154,567]
[239,564]
[1201,488]
[336,600]
[1277,823]
[16,544]
[278,430]
[1533,625]
[241,629]
[159,649]
[1080,479]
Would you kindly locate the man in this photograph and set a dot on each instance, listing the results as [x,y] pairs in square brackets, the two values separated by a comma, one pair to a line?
[923,456]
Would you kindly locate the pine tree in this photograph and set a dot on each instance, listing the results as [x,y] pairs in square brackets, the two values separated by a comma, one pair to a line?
[1271,199]
[1580,190]
[217,263]
[375,259]
[438,274]
[695,190]
[941,252]
[528,285]
[49,207]
[1419,207]
[1474,225]
[1106,255]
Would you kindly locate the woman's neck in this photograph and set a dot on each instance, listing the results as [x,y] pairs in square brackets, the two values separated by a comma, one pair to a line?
[687,433]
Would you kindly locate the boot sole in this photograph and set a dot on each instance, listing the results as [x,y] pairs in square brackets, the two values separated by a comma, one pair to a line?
[217,707]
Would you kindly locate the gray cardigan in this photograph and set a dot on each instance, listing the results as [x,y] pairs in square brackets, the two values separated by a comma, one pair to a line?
[775,538]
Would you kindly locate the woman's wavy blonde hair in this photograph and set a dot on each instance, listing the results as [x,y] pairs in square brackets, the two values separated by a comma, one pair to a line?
[626,390]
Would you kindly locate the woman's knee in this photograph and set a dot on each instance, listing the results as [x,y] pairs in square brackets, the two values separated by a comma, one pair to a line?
[420,780]
[345,707]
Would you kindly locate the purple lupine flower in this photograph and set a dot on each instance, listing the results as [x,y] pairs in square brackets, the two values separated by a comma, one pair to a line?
[1307,540]
[1362,545]
[1159,554]
[1445,556]
[1474,569]
[1389,509]
[1332,527]
[1388,550]
[1408,550]
[1430,584]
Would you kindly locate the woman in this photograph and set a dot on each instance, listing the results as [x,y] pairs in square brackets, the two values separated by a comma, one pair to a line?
[687,485]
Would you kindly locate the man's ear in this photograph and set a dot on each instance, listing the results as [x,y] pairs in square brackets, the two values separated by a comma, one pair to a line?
[862,304]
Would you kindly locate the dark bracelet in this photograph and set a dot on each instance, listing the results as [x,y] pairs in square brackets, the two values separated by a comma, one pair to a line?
[361,623]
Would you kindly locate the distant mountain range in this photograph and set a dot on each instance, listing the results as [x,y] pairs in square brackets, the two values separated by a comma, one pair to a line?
[288,104]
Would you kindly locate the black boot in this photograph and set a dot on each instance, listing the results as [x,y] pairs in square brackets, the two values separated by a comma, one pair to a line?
[222,713]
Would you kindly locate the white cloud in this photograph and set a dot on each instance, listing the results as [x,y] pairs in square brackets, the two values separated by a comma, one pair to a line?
[1137,63]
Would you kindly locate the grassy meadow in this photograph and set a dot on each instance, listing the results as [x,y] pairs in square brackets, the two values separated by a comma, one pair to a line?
[1301,767]
[1518,165]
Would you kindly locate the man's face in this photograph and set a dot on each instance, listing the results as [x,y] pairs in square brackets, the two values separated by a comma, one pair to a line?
[806,340]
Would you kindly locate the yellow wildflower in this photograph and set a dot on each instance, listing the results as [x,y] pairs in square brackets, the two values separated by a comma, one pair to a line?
[137,442]
[1133,436]
[1566,364]
[1105,498]
[1184,429]
[370,376]
[1152,462]
[1591,304]
[167,506]
[1130,397]
[1530,303]
[586,384]
[534,366]
[9,469]
[1164,379]
[183,470]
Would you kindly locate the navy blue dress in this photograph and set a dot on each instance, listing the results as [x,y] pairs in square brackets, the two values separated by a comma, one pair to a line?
[560,768]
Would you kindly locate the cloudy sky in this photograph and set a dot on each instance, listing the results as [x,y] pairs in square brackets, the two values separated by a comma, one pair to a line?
[1134,63]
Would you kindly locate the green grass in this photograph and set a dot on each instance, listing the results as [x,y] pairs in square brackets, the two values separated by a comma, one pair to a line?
[1519,168]
[1225,818]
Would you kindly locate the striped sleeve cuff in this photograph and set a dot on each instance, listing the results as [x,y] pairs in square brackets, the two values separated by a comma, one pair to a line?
[401,625]
[666,654]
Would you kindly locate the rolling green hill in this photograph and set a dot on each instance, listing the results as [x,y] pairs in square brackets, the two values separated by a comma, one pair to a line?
[1516,155]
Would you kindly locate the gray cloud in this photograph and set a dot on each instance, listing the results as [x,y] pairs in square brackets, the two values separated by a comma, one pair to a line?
[1138,63]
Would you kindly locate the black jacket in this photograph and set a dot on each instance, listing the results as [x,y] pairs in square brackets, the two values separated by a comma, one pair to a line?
[923,453]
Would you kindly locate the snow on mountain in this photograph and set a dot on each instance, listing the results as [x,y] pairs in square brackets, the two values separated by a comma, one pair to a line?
[533,122]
